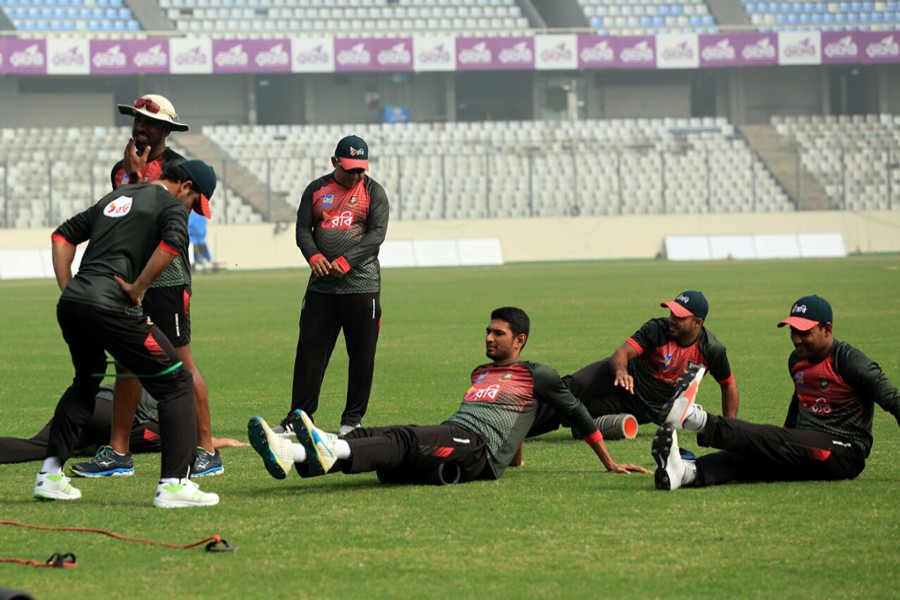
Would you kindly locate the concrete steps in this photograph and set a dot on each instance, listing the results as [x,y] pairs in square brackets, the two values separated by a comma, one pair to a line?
[271,205]
[783,161]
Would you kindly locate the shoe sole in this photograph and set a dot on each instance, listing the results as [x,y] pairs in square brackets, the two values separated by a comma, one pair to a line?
[257,435]
[690,394]
[50,498]
[111,473]
[182,503]
[209,472]
[304,436]
[661,448]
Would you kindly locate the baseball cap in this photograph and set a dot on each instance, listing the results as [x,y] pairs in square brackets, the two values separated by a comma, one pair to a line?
[690,302]
[203,177]
[155,107]
[353,152]
[807,312]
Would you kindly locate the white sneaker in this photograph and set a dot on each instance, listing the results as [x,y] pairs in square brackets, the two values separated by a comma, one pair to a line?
[671,471]
[319,445]
[274,449]
[55,487]
[681,407]
[184,495]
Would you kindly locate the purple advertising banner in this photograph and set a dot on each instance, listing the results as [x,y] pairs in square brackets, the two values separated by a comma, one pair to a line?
[635,51]
[881,47]
[254,56]
[25,57]
[383,54]
[495,54]
[738,50]
[596,52]
[126,57]
[860,47]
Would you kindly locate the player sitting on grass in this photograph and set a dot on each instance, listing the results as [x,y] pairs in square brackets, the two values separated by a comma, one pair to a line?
[477,442]
[827,434]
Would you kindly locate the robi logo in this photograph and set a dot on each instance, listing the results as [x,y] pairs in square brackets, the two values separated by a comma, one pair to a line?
[118,207]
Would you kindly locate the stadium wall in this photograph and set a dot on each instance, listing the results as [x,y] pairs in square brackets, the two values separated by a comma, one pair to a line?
[530,240]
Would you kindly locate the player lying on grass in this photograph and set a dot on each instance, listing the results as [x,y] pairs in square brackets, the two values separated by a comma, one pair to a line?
[827,434]
[477,442]
[94,436]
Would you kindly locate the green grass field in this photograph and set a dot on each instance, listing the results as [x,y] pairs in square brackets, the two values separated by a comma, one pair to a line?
[559,527]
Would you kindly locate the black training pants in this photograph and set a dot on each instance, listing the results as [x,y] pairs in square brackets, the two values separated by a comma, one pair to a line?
[144,438]
[322,317]
[753,452]
[144,350]
[416,448]
[593,386]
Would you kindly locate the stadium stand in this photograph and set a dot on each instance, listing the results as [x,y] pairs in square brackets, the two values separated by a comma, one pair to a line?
[527,168]
[70,15]
[369,16]
[855,158]
[641,16]
[769,15]
[45,184]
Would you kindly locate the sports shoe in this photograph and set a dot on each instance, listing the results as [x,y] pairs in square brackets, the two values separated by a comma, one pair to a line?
[681,407]
[106,463]
[284,429]
[55,487]
[319,445]
[206,464]
[184,495]
[672,471]
[274,450]
[345,429]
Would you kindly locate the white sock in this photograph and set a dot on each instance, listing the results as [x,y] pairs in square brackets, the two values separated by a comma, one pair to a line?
[690,472]
[696,420]
[342,449]
[298,452]
[52,466]
[173,481]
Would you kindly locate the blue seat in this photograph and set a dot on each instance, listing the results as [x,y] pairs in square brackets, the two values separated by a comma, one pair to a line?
[596,22]
[134,25]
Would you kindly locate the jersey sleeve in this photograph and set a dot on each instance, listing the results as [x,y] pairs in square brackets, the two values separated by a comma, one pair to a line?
[650,335]
[864,375]
[550,389]
[76,229]
[173,224]
[717,359]
[306,223]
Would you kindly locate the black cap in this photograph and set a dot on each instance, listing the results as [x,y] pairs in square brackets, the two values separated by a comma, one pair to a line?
[203,177]
[807,312]
[690,302]
[353,152]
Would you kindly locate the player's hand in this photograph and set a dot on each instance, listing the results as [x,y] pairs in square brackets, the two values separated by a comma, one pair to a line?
[135,161]
[624,380]
[626,468]
[129,290]
[227,443]
[321,267]
[336,270]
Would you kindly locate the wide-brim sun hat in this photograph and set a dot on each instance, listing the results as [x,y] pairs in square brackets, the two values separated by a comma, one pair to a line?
[154,106]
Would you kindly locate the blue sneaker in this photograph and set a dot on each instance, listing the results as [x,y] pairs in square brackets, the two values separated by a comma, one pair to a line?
[106,463]
[206,464]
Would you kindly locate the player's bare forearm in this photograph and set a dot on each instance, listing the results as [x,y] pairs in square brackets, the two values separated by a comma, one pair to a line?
[62,256]
[730,400]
